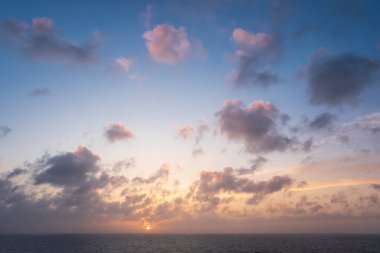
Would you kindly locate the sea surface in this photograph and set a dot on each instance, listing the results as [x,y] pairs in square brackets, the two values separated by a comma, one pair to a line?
[99,243]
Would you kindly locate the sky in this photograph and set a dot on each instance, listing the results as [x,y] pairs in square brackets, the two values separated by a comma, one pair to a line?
[190,116]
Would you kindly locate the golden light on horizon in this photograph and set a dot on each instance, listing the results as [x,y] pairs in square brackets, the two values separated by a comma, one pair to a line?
[147,228]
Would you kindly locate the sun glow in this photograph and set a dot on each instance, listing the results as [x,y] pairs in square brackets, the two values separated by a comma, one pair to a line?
[147,228]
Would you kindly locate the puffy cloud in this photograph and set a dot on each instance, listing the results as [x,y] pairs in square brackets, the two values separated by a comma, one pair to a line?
[39,92]
[4,131]
[335,80]
[69,168]
[121,64]
[167,44]
[253,52]
[254,124]
[322,121]
[213,182]
[42,41]
[116,132]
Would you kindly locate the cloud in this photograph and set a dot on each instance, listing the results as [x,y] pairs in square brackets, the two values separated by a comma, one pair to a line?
[186,132]
[121,64]
[167,44]
[161,174]
[42,40]
[307,145]
[253,53]
[322,121]
[197,151]
[39,92]
[69,168]
[116,132]
[376,186]
[123,164]
[4,131]
[195,132]
[16,172]
[254,124]
[213,182]
[256,164]
[369,122]
[344,139]
[340,79]
[147,15]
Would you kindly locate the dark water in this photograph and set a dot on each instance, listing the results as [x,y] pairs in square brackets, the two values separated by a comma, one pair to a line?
[189,243]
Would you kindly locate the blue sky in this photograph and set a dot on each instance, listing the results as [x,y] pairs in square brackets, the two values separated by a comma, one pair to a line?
[192,87]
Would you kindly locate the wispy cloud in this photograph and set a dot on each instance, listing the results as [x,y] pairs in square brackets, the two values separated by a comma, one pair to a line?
[121,64]
[42,40]
[196,132]
[40,92]
[4,131]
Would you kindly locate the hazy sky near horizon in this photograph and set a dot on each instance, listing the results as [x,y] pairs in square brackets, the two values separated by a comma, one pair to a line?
[190,116]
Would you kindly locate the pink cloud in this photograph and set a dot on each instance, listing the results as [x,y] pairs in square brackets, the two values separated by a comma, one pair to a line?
[121,64]
[186,132]
[196,132]
[167,44]
[43,25]
[259,39]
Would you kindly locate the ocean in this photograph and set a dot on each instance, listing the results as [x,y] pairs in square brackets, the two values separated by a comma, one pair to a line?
[170,243]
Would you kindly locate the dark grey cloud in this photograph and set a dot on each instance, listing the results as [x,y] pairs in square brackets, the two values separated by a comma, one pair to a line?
[376,186]
[322,121]
[336,80]
[39,92]
[15,172]
[42,40]
[4,131]
[69,168]
[255,125]
[213,182]
[116,132]
[253,54]
[83,197]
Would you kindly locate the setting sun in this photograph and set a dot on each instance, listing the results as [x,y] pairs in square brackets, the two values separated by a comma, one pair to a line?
[148,228]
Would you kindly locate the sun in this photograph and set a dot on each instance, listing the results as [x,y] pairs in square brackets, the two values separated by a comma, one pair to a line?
[147,228]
